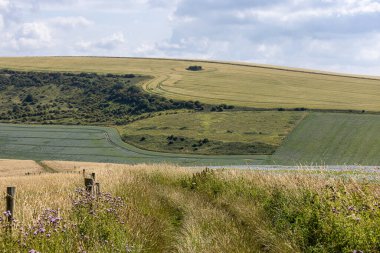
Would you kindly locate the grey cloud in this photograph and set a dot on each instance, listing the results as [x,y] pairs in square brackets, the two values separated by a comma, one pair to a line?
[317,34]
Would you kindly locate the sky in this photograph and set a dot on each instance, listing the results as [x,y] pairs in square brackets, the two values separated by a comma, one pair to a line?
[332,35]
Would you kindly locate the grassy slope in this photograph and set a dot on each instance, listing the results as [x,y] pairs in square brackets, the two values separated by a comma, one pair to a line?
[227,132]
[333,139]
[227,83]
[169,209]
[96,144]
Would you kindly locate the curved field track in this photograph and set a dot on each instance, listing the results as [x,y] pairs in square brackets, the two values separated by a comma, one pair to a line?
[93,144]
[231,83]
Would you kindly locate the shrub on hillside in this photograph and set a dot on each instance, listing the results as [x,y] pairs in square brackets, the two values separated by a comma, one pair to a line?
[195,68]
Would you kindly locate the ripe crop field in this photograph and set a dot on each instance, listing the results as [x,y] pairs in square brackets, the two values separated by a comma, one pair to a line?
[92,144]
[247,132]
[333,139]
[9,168]
[237,84]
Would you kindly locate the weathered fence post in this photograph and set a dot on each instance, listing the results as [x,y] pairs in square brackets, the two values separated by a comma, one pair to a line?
[10,205]
[89,184]
[97,189]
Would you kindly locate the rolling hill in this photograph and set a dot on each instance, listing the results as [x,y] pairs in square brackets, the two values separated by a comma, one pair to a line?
[341,126]
[231,83]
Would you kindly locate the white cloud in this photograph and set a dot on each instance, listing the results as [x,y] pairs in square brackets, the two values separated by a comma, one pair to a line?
[71,22]
[370,50]
[339,35]
[4,8]
[107,43]
[1,22]
[4,4]
[34,35]
[295,13]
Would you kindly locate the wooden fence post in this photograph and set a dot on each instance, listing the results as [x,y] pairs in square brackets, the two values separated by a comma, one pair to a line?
[97,189]
[10,199]
[89,184]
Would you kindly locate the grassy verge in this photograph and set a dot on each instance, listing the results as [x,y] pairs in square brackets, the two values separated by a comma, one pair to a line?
[169,209]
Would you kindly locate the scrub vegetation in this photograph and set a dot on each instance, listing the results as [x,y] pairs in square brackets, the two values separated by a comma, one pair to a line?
[85,98]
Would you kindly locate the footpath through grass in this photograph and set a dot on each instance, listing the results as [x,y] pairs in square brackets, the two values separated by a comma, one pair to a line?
[170,209]
[332,139]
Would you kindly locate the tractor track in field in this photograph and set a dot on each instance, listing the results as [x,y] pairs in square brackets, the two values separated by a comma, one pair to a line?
[148,153]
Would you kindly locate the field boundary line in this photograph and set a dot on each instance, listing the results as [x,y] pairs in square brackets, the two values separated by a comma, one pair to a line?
[252,65]
[46,168]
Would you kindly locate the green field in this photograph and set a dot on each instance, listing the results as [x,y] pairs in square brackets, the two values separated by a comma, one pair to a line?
[332,139]
[237,84]
[235,132]
[319,139]
[198,136]
[93,144]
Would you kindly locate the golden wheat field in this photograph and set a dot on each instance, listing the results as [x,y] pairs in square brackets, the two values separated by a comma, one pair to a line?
[236,84]
[9,168]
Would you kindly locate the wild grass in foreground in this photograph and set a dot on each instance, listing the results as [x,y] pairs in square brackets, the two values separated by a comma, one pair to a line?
[163,208]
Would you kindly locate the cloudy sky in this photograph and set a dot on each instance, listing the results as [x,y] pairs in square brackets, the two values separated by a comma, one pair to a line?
[335,35]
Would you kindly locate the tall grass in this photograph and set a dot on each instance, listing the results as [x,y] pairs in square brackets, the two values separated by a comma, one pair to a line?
[163,208]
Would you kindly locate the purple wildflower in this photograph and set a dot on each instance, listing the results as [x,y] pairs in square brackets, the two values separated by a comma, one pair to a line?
[7,213]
